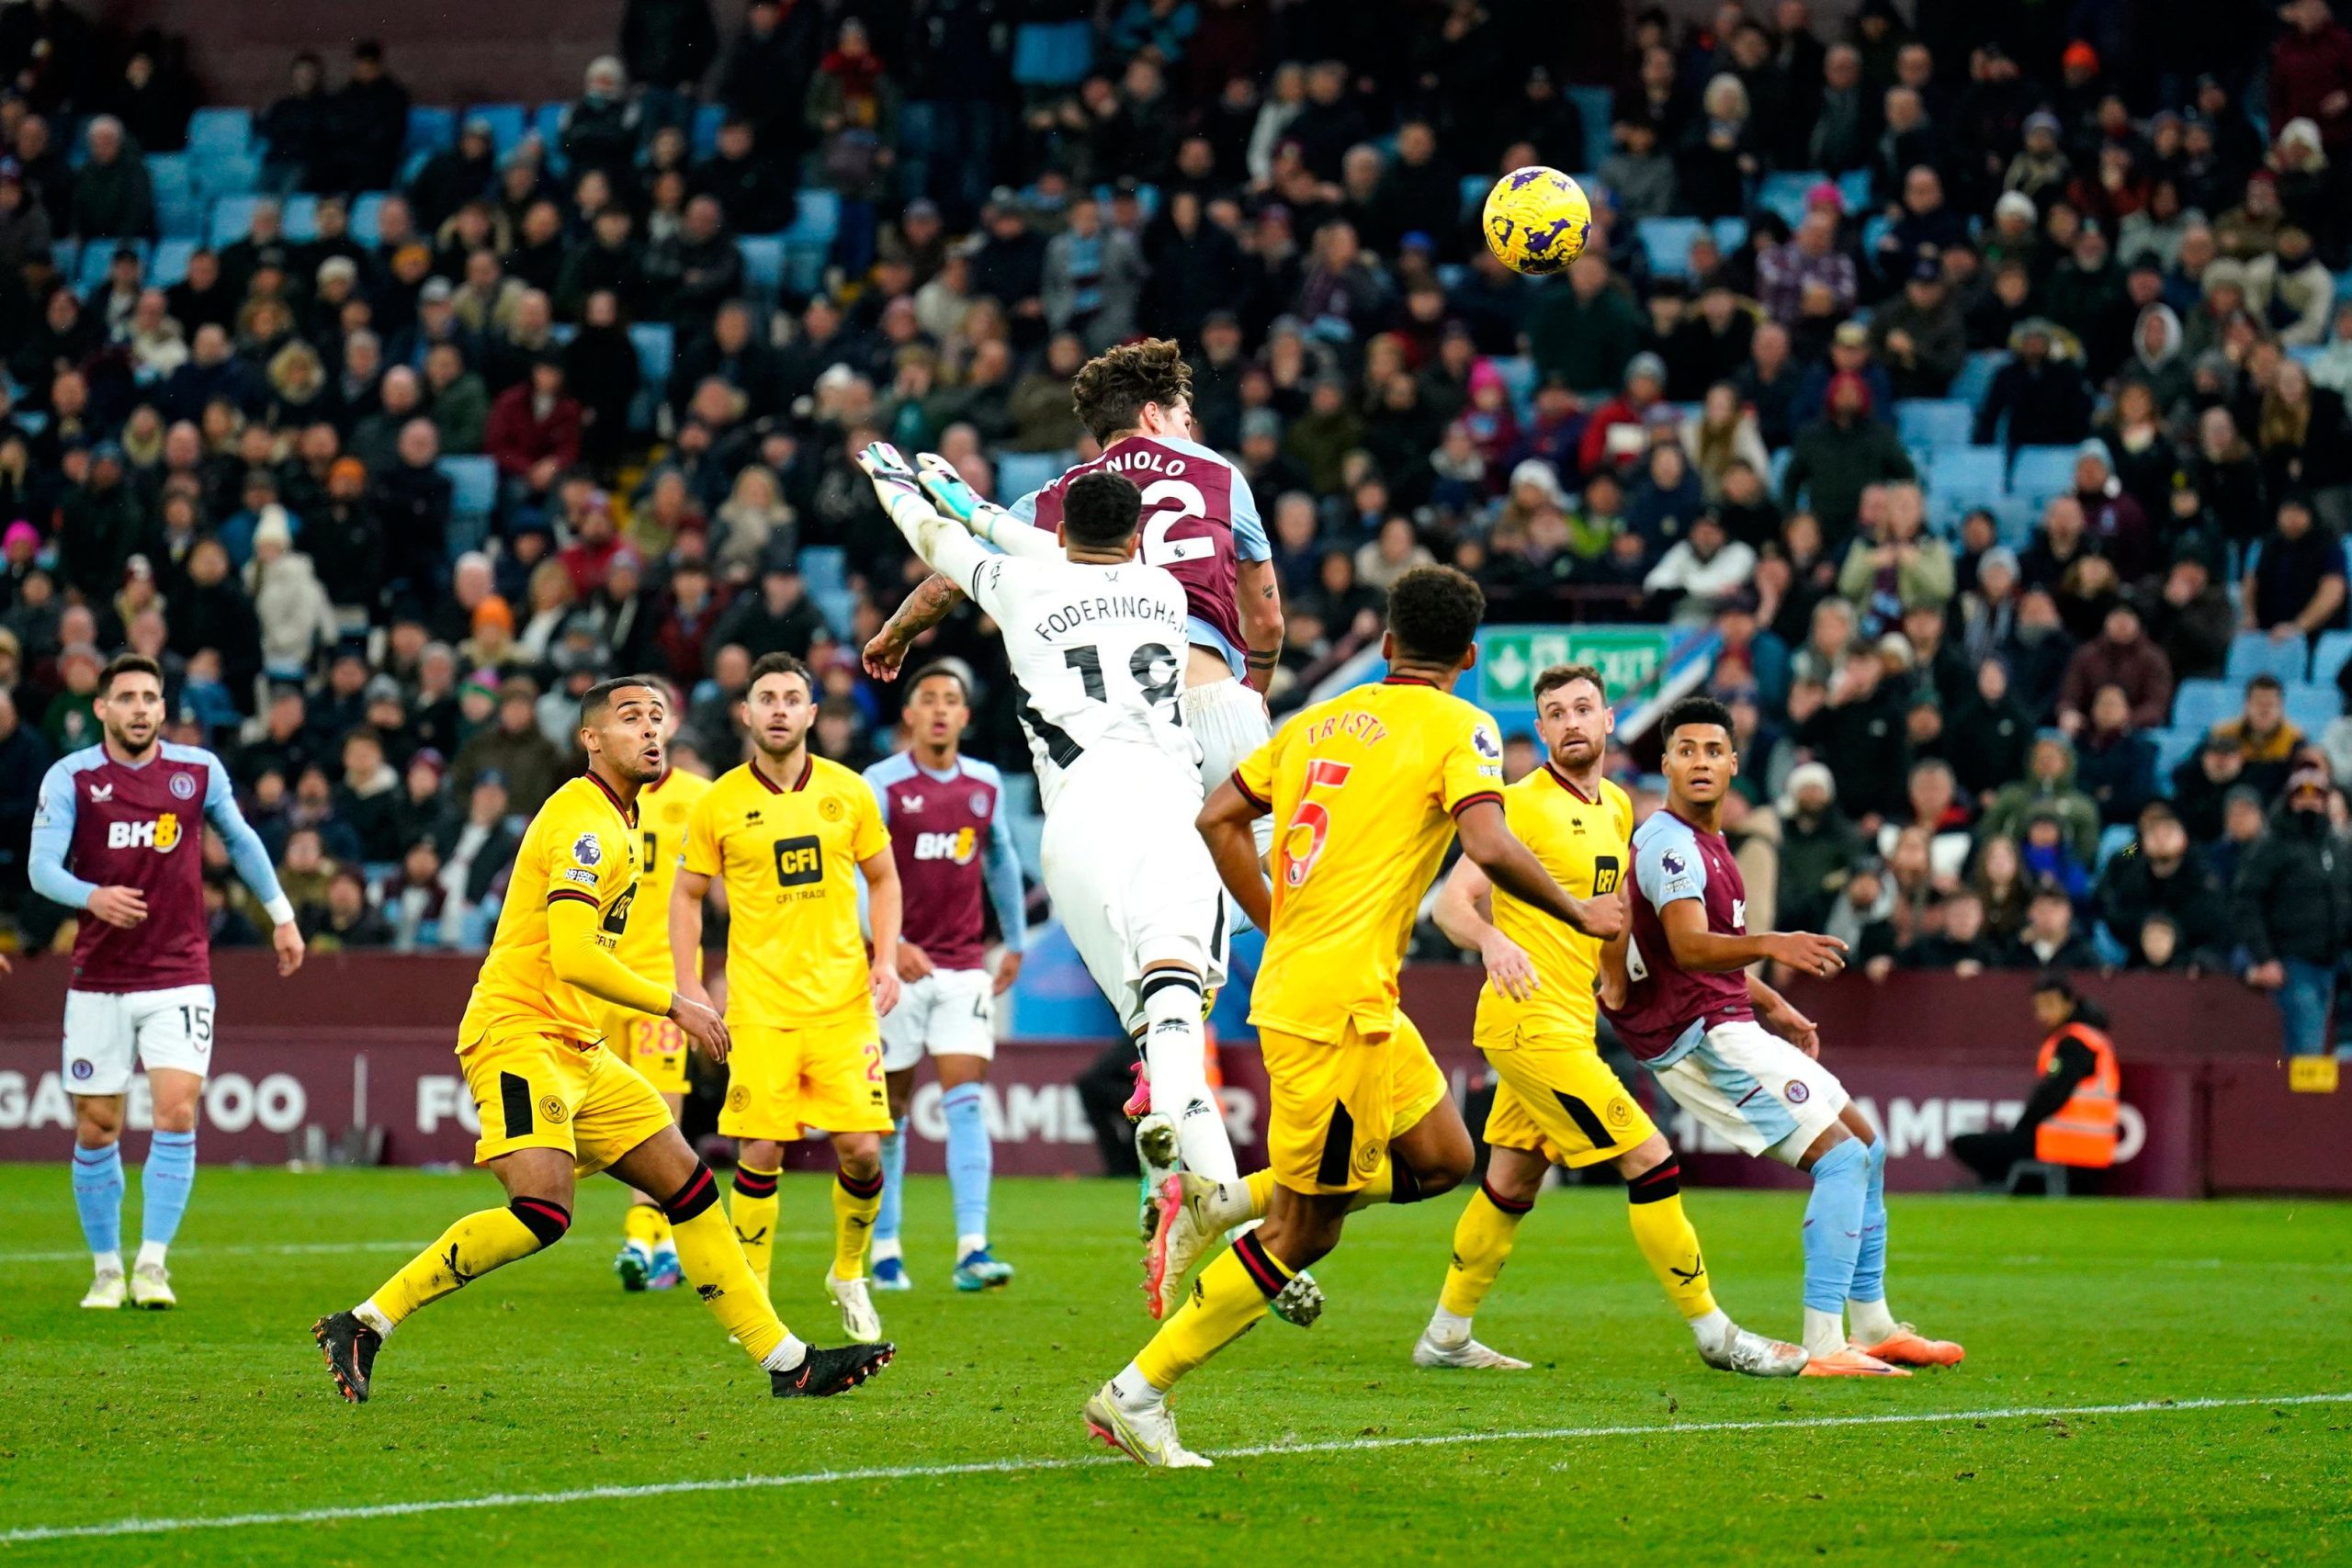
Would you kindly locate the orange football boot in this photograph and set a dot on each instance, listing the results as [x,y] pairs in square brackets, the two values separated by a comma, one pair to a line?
[1907,1347]
[1851,1362]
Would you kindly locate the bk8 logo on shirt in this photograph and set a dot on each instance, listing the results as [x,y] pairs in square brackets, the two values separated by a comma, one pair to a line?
[161,835]
[957,846]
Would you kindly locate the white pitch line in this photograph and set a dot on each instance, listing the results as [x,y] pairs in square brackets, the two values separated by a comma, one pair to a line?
[1022,1466]
[306,1249]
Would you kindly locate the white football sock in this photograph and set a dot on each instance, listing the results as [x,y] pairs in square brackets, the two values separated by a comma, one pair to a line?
[880,1251]
[1449,1327]
[101,1262]
[369,1313]
[1712,1330]
[788,1354]
[151,1254]
[978,1241]
[1174,1046]
[1872,1321]
[1135,1391]
[1825,1333]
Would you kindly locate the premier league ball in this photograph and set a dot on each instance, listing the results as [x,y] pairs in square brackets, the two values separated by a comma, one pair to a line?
[1536,220]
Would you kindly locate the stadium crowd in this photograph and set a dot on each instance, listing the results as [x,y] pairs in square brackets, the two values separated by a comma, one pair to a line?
[2120,236]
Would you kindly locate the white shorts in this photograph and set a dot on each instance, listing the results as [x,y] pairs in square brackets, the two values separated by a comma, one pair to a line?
[1129,876]
[1228,718]
[951,1010]
[1757,1090]
[104,1030]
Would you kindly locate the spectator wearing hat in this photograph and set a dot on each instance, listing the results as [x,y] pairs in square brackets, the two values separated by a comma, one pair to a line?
[1920,337]
[297,620]
[2042,393]
[2292,901]
[2295,578]
[1819,846]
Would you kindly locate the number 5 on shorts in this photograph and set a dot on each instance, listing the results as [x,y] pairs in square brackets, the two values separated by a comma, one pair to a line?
[1314,816]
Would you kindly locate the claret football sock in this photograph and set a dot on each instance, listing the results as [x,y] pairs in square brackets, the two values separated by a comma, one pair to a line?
[753,1210]
[1227,1300]
[1482,1243]
[1833,1238]
[98,1198]
[1662,1232]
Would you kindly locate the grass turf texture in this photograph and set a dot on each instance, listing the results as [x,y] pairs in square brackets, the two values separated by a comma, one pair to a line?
[545,1377]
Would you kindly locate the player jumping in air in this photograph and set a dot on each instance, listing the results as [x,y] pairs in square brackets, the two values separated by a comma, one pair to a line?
[1740,1059]
[654,1047]
[1200,523]
[789,833]
[118,835]
[1558,1102]
[1365,791]
[945,812]
[555,1103]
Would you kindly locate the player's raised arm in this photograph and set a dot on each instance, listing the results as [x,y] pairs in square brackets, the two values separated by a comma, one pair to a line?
[1224,823]
[934,600]
[1698,949]
[1463,912]
[1488,841]
[1008,531]
[939,540]
[250,858]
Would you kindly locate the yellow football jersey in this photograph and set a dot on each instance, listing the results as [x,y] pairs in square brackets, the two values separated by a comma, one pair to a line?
[1585,844]
[583,844]
[1363,790]
[663,810]
[795,958]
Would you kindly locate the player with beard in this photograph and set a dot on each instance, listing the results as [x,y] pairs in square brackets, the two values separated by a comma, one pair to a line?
[555,1105]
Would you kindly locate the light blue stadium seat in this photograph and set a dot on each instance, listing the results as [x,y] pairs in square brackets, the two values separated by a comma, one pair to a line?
[1020,795]
[63,255]
[170,265]
[1976,377]
[1018,473]
[1667,240]
[2304,352]
[2311,708]
[431,127]
[655,346]
[182,215]
[1783,193]
[2198,706]
[547,120]
[226,174]
[1518,372]
[2110,952]
[367,216]
[1051,54]
[1781,465]
[2040,472]
[838,606]
[1474,195]
[232,216]
[1029,843]
[211,131]
[704,134]
[2113,840]
[98,257]
[762,262]
[2019,518]
[810,239]
[1968,476]
[1597,106]
[170,173]
[1854,189]
[825,566]
[1875,228]
[1937,423]
[1730,234]
[2335,649]
[2253,653]
[508,123]
[2174,746]
[301,214]
[473,485]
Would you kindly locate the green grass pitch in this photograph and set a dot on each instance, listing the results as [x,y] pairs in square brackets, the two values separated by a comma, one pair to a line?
[545,1380]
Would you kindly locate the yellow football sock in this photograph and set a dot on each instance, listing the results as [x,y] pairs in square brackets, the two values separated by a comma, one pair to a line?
[662,1239]
[716,1266]
[1229,1298]
[1482,1243]
[855,1202]
[643,1223]
[1654,1208]
[481,1242]
[753,1209]
[1262,1191]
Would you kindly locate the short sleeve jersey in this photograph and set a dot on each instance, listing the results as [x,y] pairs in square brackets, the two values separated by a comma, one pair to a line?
[1669,1008]
[1363,790]
[1584,842]
[582,845]
[662,808]
[788,858]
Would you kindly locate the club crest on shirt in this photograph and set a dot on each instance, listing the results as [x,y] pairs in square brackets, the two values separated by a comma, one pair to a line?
[1797,1091]
[831,808]
[980,803]
[183,786]
[588,850]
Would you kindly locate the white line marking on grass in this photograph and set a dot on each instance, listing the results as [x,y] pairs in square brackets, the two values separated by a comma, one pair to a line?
[306,1249]
[1020,1466]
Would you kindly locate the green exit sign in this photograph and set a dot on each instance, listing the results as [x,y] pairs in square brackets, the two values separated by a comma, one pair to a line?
[1509,658]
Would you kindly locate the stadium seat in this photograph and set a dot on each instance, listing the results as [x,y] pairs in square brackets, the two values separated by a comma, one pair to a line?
[1668,241]
[98,257]
[1968,476]
[2335,649]
[368,217]
[2174,746]
[2019,518]
[1875,228]
[1474,195]
[170,172]
[655,345]
[1783,193]
[705,133]
[2312,708]
[301,213]
[170,265]
[226,174]
[826,568]
[1976,377]
[1597,106]
[1518,372]
[2304,354]
[763,263]
[1854,190]
[548,122]
[1020,795]
[838,606]
[1730,234]
[431,127]
[1018,473]
[1937,422]
[2040,472]
[181,215]
[2198,706]
[508,123]
[216,131]
[2113,840]
[810,241]
[1051,54]
[474,482]
[232,218]
[2253,653]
